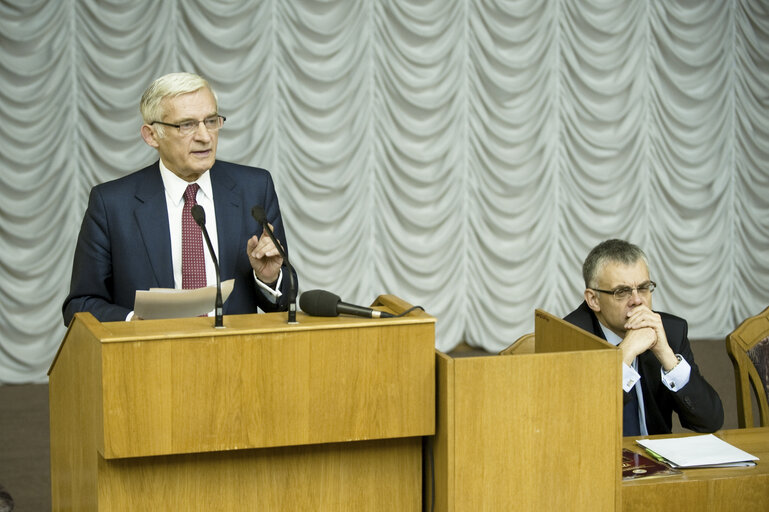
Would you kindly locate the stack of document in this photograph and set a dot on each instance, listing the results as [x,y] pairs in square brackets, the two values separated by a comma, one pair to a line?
[705,451]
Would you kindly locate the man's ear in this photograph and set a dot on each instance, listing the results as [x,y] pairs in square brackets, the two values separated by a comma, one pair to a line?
[591,298]
[149,136]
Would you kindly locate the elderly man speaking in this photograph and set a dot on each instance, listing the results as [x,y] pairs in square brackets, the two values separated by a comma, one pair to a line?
[138,233]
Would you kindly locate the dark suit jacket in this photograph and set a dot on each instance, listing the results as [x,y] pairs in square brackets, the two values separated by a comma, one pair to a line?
[697,404]
[124,243]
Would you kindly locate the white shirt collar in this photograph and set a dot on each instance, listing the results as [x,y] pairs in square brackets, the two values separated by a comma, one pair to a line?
[175,186]
[610,335]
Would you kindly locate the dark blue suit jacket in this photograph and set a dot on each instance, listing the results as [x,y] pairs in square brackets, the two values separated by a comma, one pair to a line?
[124,243]
[697,404]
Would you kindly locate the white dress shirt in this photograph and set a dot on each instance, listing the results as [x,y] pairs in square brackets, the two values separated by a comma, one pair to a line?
[674,380]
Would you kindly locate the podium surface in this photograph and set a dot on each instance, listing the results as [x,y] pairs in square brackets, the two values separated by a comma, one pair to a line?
[175,414]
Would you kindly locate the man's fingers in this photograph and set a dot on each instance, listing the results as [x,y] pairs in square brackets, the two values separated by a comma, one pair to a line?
[265,247]
[643,317]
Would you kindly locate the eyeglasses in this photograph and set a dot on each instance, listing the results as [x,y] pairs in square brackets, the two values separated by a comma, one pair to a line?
[212,124]
[624,292]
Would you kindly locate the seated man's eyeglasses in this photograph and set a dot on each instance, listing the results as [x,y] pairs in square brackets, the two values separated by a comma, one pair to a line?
[624,292]
[212,124]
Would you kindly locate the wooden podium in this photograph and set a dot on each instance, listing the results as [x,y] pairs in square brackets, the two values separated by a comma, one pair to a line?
[540,429]
[261,415]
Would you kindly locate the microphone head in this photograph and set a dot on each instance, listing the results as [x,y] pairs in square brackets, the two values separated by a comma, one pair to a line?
[257,212]
[199,215]
[319,303]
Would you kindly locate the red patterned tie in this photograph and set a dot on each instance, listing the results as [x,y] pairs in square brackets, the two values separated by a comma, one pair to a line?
[193,263]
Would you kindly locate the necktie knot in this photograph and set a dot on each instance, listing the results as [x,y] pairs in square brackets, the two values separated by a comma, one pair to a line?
[190,193]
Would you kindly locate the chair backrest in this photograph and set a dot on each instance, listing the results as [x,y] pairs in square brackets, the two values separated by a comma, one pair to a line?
[523,345]
[748,348]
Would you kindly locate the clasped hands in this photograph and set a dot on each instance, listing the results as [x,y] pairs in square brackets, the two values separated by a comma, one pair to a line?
[645,332]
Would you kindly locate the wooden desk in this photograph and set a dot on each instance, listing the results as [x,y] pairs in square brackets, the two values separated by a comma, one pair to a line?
[706,490]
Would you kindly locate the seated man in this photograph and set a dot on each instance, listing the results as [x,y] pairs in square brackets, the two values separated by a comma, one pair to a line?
[138,232]
[659,373]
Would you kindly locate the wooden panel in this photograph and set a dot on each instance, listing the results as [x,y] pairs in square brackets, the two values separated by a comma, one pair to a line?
[125,389]
[528,425]
[706,490]
[534,430]
[443,443]
[289,387]
[556,335]
[75,411]
[383,475]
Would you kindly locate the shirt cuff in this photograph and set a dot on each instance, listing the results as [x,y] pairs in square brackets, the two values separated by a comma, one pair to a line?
[269,293]
[629,377]
[678,377]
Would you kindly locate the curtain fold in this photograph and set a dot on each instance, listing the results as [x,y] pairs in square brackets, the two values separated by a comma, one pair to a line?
[464,155]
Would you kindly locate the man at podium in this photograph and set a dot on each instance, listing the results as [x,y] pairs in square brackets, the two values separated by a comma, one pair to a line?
[138,232]
[659,374]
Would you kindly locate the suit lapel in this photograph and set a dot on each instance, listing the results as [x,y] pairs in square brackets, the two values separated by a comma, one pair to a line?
[151,215]
[229,220]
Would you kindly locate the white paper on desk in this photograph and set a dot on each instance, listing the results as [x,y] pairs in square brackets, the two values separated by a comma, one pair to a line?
[698,451]
[172,303]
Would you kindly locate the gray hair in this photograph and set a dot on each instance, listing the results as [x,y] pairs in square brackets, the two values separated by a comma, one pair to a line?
[615,250]
[169,86]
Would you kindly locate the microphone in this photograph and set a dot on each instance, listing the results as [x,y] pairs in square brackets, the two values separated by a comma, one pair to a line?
[323,303]
[257,212]
[200,218]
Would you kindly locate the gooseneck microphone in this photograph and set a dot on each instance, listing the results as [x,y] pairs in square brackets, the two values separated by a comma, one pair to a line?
[200,218]
[323,303]
[257,212]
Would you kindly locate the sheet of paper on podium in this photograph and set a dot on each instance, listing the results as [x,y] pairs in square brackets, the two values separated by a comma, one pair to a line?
[702,451]
[172,303]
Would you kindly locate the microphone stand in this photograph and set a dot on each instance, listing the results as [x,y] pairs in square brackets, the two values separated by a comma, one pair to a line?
[200,218]
[258,213]
[218,316]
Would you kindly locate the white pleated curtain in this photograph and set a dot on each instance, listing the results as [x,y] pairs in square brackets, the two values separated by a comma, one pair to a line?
[463,155]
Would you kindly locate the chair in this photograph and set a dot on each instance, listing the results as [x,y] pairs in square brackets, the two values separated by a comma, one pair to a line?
[748,348]
[523,345]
